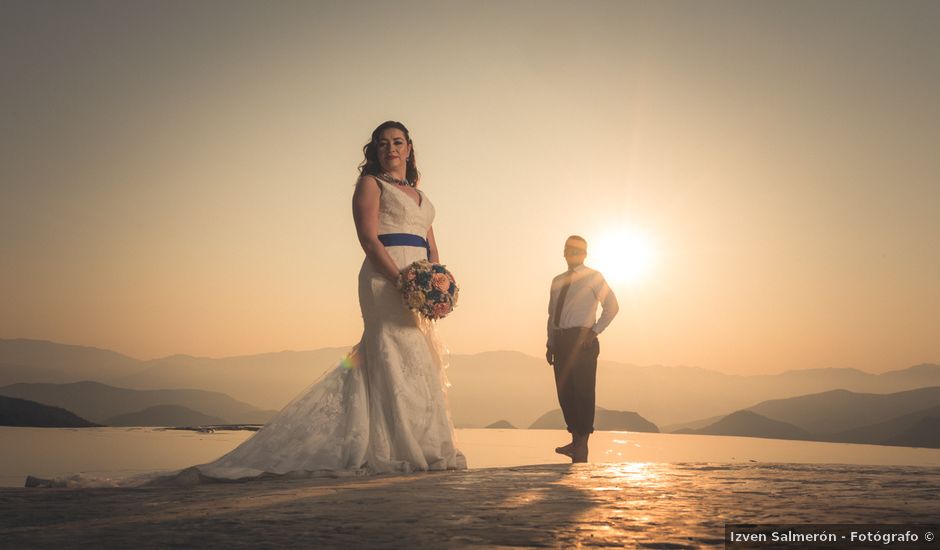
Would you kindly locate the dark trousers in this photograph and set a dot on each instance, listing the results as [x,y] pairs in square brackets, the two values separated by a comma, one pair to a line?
[575,377]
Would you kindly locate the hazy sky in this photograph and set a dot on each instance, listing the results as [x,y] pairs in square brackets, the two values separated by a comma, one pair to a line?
[177,176]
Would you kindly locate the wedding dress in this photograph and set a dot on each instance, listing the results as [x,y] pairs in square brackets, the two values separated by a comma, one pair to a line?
[383,409]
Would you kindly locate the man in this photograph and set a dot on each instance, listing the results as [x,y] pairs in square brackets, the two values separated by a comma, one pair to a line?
[572,346]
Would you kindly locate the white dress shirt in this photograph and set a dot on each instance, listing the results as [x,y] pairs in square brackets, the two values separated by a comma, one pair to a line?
[588,288]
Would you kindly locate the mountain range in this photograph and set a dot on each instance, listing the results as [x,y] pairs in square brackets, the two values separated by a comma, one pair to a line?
[100,403]
[267,380]
[512,386]
[604,419]
[165,415]
[746,423]
[839,410]
[486,387]
[21,412]
[908,418]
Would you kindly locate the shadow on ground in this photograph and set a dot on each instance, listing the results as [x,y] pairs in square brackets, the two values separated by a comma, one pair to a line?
[626,504]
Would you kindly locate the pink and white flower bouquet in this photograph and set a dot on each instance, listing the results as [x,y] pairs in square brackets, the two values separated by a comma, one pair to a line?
[429,289]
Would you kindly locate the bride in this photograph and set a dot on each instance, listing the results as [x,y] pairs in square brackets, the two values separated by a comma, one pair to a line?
[384,408]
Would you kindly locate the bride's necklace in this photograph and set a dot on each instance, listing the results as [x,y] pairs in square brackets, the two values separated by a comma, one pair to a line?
[391,179]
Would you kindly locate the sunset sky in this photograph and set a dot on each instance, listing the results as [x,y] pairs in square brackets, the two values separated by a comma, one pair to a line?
[177,176]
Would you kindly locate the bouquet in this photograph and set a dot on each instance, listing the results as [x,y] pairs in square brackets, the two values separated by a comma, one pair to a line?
[429,289]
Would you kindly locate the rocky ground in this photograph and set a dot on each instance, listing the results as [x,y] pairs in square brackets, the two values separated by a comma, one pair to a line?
[656,505]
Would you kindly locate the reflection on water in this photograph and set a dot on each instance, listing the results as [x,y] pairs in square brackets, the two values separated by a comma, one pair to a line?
[680,505]
[495,448]
[636,473]
[106,452]
[121,452]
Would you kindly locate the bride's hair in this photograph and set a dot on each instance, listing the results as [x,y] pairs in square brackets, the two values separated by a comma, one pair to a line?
[372,167]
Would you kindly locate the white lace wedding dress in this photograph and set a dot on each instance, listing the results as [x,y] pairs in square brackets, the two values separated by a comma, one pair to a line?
[383,409]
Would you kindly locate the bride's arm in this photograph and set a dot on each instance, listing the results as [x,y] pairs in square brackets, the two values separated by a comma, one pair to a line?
[432,244]
[366,215]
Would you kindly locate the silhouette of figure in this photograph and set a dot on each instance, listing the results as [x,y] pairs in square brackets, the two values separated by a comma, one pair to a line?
[572,347]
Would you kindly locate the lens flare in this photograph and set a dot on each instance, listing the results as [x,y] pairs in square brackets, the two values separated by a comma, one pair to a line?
[351,361]
[623,256]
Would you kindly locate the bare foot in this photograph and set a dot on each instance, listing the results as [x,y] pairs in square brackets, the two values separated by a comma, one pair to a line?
[579,449]
[565,449]
[579,454]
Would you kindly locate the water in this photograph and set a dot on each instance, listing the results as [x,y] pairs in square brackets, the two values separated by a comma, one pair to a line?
[121,452]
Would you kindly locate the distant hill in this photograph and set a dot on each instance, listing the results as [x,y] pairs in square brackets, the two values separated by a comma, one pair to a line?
[692,424]
[918,376]
[98,402]
[25,413]
[165,415]
[24,360]
[603,420]
[920,428]
[501,425]
[750,424]
[490,386]
[841,410]
[926,433]
[12,374]
[884,433]
[269,380]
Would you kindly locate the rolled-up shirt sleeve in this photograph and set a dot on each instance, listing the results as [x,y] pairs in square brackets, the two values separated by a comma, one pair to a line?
[608,302]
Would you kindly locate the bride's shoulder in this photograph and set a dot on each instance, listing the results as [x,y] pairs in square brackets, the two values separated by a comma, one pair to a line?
[369,183]
[368,190]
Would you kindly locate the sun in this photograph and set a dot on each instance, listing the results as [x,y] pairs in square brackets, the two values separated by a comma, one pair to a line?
[624,257]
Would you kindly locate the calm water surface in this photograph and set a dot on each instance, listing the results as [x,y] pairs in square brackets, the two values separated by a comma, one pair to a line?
[121,452]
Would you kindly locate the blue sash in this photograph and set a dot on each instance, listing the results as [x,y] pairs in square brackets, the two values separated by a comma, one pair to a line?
[405,239]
